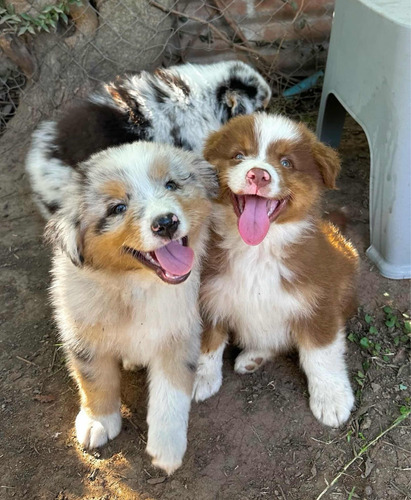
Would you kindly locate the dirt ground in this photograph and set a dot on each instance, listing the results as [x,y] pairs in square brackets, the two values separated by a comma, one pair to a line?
[256,439]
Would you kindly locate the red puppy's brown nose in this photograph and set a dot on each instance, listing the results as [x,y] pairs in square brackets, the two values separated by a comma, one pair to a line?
[258,177]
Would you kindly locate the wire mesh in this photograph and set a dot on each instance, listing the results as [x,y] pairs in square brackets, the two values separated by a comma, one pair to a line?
[56,50]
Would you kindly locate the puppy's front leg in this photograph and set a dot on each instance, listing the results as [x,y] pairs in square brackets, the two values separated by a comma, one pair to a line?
[331,396]
[209,374]
[98,379]
[171,376]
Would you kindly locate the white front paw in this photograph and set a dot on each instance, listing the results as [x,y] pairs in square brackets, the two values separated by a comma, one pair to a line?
[94,431]
[206,384]
[331,403]
[166,446]
[249,361]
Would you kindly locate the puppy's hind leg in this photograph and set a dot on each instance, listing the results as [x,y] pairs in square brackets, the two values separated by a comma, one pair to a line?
[249,360]
[209,374]
[98,379]
[171,375]
[331,396]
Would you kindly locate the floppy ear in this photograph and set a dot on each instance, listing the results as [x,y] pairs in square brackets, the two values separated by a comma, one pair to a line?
[328,162]
[63,231]
[214,147]
[208,177]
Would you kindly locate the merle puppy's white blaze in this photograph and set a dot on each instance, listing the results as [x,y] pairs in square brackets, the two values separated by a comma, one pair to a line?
[180,106]
[128,244]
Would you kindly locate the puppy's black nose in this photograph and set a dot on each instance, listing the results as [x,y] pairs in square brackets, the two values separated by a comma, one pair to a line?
[165,225]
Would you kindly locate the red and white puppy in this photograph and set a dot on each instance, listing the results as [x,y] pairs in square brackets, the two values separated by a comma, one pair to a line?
[278,276]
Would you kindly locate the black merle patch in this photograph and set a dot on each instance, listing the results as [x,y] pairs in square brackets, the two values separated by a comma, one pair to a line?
[91,127]
[52,207]
[88,128]
[243,88]
[178,141]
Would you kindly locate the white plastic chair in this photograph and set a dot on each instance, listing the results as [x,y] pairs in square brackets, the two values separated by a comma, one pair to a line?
[369,75]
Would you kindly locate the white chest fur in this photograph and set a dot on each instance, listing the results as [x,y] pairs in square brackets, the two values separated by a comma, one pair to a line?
[126,317]
[248,294]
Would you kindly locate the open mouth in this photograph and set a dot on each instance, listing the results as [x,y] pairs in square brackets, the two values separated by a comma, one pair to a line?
[255,214]
[172,262]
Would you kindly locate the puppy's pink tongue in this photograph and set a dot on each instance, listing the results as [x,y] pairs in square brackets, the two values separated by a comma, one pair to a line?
[175,258]
[254,223]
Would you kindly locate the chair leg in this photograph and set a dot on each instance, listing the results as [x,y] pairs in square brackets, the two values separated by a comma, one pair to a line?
[331,119]
[390,203]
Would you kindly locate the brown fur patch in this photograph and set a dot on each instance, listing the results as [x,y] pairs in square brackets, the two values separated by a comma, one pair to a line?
[99,384]
[106,250]
[324,266]
[213,337]
[115,190]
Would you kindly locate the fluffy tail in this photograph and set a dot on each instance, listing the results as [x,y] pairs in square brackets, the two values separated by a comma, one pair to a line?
[49,176]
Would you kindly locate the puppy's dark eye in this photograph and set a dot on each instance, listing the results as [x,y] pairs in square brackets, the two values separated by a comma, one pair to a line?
[285,163]
[117,209]
[239,156]
[171,186]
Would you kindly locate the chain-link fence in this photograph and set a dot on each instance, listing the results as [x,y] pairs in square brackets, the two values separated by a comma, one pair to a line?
[57,50]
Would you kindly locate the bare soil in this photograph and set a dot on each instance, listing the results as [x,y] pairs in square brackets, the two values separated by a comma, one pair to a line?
[256,439]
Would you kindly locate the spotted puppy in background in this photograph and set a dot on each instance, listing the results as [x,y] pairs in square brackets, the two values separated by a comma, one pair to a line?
[128,242]
[277,275]
[179,106]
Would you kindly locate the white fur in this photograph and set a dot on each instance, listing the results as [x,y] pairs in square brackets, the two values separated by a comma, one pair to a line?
[331,396]
[49,177]
[271,128]
[247,293]
[94,431]
[167,419]
[209,376]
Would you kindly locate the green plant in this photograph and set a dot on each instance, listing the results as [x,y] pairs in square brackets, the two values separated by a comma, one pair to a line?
[46,20]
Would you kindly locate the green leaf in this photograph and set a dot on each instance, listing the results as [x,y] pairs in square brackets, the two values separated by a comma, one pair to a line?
[404,338]
[366,366]
[349,433]
[359,381]
[64,17]
[387,309]
[377,347]
[364,342]
[351,337]
[386,359]
[31,30]
[396,341]
[22,30]
[404,410]
[407,326]
[373,330]
[360,374]
[368,319]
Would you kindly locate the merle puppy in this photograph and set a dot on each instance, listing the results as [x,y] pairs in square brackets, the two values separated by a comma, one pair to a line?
[180,105]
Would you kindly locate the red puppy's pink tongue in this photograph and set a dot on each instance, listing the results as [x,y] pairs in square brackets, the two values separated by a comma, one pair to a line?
[175,258]
[254,223]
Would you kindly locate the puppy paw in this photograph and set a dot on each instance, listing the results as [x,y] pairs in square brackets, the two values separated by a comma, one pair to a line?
[249,361]
[332,405]
[206,385]
[209,375]
[93,432]
[167,448]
